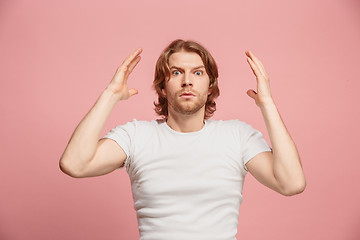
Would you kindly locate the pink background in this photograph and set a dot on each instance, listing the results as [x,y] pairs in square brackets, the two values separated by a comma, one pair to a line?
[57,56]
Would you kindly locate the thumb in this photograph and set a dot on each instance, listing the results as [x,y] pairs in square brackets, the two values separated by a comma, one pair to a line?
[251,93]
[133,91]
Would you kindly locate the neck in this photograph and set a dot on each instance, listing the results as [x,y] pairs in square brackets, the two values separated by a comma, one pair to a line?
[186,123]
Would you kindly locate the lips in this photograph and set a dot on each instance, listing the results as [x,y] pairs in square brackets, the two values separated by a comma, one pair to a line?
[187,95]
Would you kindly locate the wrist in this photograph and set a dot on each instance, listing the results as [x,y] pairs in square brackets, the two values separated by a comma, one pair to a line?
[110,96]
[267,105]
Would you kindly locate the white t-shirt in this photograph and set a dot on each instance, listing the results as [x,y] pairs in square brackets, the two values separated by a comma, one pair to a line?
[187,185]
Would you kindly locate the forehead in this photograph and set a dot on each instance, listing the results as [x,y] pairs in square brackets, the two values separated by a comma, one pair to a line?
[185,59]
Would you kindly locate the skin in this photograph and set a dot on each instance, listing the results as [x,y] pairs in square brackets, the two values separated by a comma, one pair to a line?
[85,156]
[280,169]
[186,90]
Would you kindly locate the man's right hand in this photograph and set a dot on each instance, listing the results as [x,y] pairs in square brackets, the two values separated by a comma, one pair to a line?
[118,85]
[86,155]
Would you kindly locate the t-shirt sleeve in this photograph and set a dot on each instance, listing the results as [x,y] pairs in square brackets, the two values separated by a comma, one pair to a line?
[253,143]
[123,135]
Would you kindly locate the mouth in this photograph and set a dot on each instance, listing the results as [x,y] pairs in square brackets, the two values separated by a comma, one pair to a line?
[187,95]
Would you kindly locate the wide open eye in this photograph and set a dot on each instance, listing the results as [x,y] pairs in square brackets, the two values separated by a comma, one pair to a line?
[176,72]
[198,73]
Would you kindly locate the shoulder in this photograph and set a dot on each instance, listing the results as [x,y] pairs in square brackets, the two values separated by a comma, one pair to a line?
[233,123]
[139,126]
[233,127]
[140,123]
[152,124]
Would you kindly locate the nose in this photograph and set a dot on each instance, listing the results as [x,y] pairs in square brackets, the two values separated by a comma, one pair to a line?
[187,81]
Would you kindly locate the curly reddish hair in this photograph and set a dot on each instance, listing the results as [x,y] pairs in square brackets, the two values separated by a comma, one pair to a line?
[162,72]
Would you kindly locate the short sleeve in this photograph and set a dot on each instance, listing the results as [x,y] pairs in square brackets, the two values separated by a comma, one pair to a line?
[253,143]
[124,136]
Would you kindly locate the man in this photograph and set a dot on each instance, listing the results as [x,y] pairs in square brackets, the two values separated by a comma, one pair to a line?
[186,170]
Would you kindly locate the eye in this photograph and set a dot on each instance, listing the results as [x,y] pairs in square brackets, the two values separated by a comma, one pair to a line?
[198,73]
[176,72]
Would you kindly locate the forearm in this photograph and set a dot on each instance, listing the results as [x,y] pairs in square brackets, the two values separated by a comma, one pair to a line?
[287,164]
[83,142]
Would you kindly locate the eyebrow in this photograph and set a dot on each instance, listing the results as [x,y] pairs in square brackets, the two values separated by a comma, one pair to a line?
[202,66]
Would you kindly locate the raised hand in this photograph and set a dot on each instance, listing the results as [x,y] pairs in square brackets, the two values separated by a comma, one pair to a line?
[263,93]
[118,85]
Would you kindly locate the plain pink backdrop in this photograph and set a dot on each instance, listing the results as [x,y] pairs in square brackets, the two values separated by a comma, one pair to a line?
[57,56]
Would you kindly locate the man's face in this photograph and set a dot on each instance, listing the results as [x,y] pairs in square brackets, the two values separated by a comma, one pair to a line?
[187,89]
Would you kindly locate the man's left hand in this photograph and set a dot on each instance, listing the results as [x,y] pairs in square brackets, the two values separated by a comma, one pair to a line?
[263,93]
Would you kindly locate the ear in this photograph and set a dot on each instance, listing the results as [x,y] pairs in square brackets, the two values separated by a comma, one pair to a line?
[163,92]
[210,89]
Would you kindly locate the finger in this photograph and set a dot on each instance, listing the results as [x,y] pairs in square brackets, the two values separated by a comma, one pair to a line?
[262,68]
[254,58]
[251,93]
[133,91]
[130,58]
[132,65]
[122,70]
[254,68]
[257,62]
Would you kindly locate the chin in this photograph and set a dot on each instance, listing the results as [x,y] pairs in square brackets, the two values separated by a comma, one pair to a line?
[188,109]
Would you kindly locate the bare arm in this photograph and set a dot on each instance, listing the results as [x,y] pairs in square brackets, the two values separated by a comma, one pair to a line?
[280,170]
[85,155]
